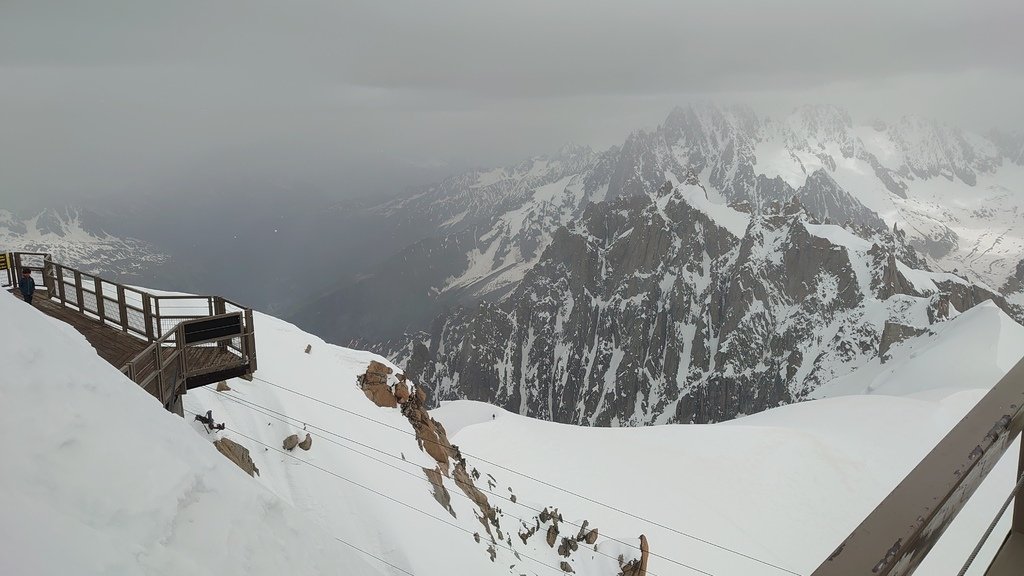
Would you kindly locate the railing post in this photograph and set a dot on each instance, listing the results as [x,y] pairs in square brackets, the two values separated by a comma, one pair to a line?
[249,340]
[78,292]
[100,304]
[61,290]
[159,374]
[179,341]
[1018,503]
[157,323]
[17,267]
[122,308]
[48,276]
[218,306]
[147,315]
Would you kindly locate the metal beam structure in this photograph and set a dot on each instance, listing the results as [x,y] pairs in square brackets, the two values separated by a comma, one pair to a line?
[899,533]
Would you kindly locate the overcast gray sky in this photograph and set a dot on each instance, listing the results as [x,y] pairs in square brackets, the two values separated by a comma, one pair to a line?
[350,97]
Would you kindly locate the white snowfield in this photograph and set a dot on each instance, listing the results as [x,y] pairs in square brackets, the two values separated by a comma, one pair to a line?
[786,485]
[98,479]
[102,481]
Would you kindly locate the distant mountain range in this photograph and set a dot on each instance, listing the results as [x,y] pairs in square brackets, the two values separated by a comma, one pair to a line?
[77,238]
[959,197]
[719,264]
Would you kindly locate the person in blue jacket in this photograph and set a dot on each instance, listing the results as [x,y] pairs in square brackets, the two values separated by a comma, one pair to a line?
[27,286]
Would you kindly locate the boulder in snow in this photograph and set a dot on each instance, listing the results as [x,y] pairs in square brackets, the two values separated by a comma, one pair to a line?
[290,442]
[238,454]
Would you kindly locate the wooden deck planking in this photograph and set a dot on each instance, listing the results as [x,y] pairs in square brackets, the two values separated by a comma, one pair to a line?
[118,348]
[114,346]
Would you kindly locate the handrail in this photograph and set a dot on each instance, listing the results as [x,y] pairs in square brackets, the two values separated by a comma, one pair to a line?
[899,533]
[132,310]
[163,368]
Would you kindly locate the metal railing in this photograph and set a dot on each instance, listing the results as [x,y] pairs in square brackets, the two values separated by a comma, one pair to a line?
[165,366]
[895,538]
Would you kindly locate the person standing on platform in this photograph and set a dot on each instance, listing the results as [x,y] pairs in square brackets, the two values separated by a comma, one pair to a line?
[27,286]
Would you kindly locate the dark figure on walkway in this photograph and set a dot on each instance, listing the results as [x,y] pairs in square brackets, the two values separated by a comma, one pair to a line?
[27,286]
[208,420]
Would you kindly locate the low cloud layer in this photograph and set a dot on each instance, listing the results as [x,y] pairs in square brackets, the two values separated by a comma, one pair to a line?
[350,98]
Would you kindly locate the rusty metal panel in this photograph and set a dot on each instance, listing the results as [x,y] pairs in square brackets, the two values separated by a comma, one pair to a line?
[896,536]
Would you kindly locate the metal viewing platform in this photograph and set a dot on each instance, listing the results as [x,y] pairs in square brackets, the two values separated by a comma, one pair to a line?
[167,344]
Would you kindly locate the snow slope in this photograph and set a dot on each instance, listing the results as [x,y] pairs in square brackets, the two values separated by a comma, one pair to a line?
[126,488]
[98,479]
[785,485]
[416,536]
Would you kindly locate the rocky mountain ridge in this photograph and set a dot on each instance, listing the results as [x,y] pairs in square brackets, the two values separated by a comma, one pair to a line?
[670,308]
[76,237]
[958,196]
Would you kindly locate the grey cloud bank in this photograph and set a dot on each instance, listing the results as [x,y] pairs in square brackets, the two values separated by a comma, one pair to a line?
[349,98]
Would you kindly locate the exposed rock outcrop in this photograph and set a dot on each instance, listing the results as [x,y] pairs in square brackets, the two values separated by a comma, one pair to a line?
[1016,282]
[552,535]
[290,442]
[441,494]
[238,454]
[307,443]
[893,333]
[587,534]
[374,384]
[451,465]
[430,435]
[567,547]
[649,309]
[222,386]
[402,392]
[891,281]
[638,567]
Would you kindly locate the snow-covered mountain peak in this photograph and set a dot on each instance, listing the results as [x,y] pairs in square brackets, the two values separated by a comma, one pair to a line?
[708,127]
[74,237]
[1010,143]
[819,122]
[929,149]
[485,230]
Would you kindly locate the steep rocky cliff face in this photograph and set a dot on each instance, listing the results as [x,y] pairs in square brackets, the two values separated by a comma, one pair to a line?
[1013,289]
[671,308]
[716,265]
[957,195]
